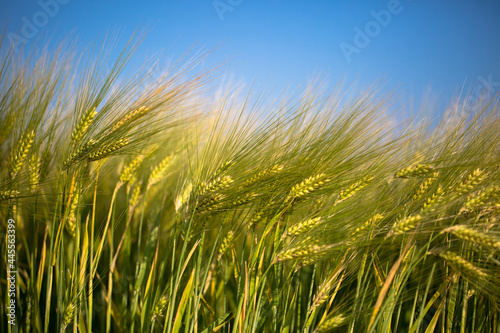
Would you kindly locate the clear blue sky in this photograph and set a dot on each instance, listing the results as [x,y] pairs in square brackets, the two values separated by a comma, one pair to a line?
[415,45]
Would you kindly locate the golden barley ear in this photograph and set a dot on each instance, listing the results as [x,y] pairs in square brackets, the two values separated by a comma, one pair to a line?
[406,224]
[415,170]
[226,243]
[82,126]
[128,171]
[20,153]
[108,149]
[462,265]
[302,227]
[331,323]
[471,182]
[69,315]
[465,233]
[353,189]
[80,153]
[8,194]
[480,198]
[307,186]
[160,308]
[160,170]
[34,172]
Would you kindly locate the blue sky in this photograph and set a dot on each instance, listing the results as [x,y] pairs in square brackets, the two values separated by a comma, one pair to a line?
[415,45]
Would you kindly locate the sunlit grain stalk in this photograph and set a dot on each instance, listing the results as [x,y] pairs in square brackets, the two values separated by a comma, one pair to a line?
[415,170]
[20,153]
[353,189]
[82,126]
[474,236]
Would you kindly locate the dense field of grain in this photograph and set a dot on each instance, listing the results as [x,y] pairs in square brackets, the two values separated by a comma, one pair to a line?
[163,205]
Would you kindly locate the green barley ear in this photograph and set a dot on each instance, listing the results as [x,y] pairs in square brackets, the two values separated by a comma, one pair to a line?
[353,189]
[415,170]
[128,172]
[34,171]
[183,197]
[331,323]
[303,251]
[404,225]
[21,152]
[306,186]
[109,149]
[134,196]
[244,199]
[471,235]
[217,184]
[160,308]
[160,170]
[29,309]
[302,227]
[223,168]
[460,264]
[432,202]
[263,174]
[80,153]
[480,198]
[424,186]
[209,204]
[8,194]
[226,243]
[471,182]
[356,234]
[82,127]
[71,215]
[69,315]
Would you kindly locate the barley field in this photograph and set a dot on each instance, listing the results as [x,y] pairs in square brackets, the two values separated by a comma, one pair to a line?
[140,204]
